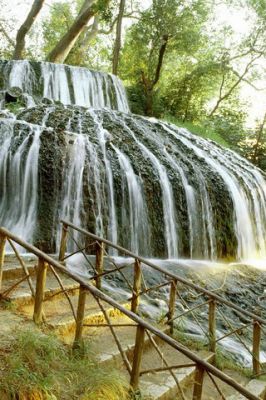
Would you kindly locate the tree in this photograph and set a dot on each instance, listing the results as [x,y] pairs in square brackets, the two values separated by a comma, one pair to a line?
[255,50]
[167,26]
[56,24]
[24,29]
[260,141]
[117,45]
[89,9]
[190,85]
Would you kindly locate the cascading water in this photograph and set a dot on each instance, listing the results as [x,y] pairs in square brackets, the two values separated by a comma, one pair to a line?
[19,153]
[246,235]
[103,136]
[148,185]
[137,219]
[69,85]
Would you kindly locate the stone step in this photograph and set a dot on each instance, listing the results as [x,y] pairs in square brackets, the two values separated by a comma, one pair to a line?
[162,386]
[21,295]
[210,392]
[12,268]
[63,324]
[255,386]
[156,386]
[102,338]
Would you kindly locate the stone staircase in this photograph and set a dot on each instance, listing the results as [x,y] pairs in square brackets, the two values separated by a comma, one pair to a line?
[161,385]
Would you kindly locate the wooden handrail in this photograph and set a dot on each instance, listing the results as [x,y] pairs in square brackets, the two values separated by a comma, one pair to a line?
[202,364]
[169,274]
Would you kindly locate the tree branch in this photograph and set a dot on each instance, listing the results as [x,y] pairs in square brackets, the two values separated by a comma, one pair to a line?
[60,52]
[160,59]
[229,92]
[6,35]
[24,29]
[248,82]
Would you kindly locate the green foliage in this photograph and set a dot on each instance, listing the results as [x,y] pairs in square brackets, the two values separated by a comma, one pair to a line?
[137,101]
[56,25]
[253,145]
[174,19]
[94,53]
[106,9]
[191,343]
[15,107]
[190,88]
[144,38]
[38,366]
[229,124]
[203,129]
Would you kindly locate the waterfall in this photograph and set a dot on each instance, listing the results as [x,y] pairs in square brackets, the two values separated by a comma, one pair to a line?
[170,221]
[21,75]
[103,137]
[72,207]
[246,236]
[19,177]
[55,83]
[138,220]
[145,184]
[69,85]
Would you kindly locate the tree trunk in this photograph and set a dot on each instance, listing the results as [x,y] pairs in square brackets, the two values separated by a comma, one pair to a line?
[24,29]
[258,140]
[149,102]
[160,59]
[67,42]
[117,46]
[148,84]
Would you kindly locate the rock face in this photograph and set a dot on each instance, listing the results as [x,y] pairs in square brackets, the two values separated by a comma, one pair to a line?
[148,185]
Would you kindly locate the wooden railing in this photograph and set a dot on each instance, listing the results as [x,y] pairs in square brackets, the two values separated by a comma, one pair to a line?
[143,328]
[248,335]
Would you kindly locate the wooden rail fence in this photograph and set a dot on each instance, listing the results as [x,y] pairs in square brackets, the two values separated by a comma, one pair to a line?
[211,300]
[143,328]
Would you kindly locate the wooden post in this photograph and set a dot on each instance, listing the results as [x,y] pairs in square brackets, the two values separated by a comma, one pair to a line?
[172,300]
[2,257]
[99,263]
[63,243]
[212,326]
[256,347]
[198,383]
[39,292]
[137,356]
[80,317]
[136,286]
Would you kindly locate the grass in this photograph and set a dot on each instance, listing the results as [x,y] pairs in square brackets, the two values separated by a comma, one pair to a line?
[8,304]
[36,366]
[191,343]
[199,130]
[225,361]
